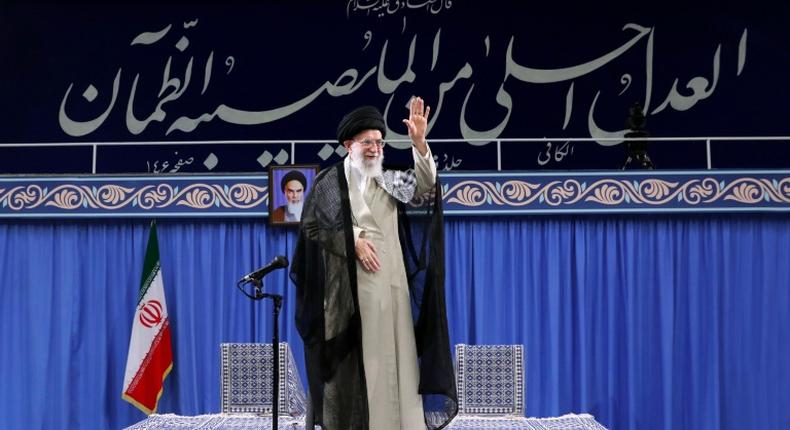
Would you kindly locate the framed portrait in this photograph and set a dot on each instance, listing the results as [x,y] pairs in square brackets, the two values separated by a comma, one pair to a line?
[288,188]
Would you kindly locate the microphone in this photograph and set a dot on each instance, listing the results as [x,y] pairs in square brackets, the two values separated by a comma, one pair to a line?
[279,262]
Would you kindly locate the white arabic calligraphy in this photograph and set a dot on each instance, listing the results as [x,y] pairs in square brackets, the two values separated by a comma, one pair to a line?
[155,168]
[174,85]
[560,152]
[382,8]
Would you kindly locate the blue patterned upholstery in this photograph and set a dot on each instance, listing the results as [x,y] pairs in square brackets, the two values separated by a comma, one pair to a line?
[565,422]
[246,374]
[490,379]
[215,422]
[259,422]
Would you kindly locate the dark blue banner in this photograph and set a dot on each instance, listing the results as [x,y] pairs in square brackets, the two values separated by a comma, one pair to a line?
[207,88]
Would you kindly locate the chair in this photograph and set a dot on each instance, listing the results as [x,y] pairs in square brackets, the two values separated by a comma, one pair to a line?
[490,380]
[246,380]
[490,383]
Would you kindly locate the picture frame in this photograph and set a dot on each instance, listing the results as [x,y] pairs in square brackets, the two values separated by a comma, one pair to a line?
[289,186]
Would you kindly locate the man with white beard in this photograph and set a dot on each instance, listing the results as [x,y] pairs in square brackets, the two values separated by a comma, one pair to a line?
[293,185]
[358,276]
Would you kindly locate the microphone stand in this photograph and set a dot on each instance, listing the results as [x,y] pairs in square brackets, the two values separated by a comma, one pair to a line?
[277,301]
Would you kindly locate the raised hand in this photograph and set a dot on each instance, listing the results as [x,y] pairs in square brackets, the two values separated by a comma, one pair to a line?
[417,124]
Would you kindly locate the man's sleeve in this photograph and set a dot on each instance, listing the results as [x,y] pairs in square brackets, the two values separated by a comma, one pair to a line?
[358,232]
[425,170]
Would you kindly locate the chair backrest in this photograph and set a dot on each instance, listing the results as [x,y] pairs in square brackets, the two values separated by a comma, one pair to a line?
[246,380]
[490,379]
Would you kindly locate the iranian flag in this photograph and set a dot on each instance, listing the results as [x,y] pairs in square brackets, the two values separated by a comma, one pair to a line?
[150,356]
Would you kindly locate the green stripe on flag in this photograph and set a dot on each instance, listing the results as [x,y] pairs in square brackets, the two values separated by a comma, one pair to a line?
[151,264]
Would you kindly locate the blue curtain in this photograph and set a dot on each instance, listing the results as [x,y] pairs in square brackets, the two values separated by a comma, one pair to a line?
[68,301]
[648,322]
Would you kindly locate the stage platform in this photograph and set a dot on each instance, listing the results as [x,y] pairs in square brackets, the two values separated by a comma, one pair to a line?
[264,422]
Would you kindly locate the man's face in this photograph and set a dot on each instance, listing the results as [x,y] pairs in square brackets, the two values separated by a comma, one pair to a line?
[366,151]
[294,191]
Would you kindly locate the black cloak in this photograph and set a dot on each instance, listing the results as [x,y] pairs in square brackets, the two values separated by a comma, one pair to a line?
[327,312]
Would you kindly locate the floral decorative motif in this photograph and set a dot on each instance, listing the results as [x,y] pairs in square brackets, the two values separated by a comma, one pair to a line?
[612,192]
[472,193]
[476,193]
[111,196]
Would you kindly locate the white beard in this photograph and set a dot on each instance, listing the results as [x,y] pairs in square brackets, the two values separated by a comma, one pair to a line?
[369,168]
[295,209]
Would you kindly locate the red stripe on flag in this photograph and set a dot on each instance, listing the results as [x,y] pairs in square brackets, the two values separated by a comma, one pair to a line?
[146,387]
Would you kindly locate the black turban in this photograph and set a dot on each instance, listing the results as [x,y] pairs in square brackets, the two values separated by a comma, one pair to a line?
[358,120]
[293,175]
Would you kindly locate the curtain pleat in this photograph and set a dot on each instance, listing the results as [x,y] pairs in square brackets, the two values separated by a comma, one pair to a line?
[646,322]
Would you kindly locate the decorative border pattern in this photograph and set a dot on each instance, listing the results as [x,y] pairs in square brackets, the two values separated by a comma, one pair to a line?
[474,193]
[134,196]
[618,192]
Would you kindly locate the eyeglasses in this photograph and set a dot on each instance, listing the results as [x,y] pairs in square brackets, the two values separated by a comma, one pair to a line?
[367,143]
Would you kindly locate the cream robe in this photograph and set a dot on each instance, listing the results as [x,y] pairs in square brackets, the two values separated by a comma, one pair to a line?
[389,352]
